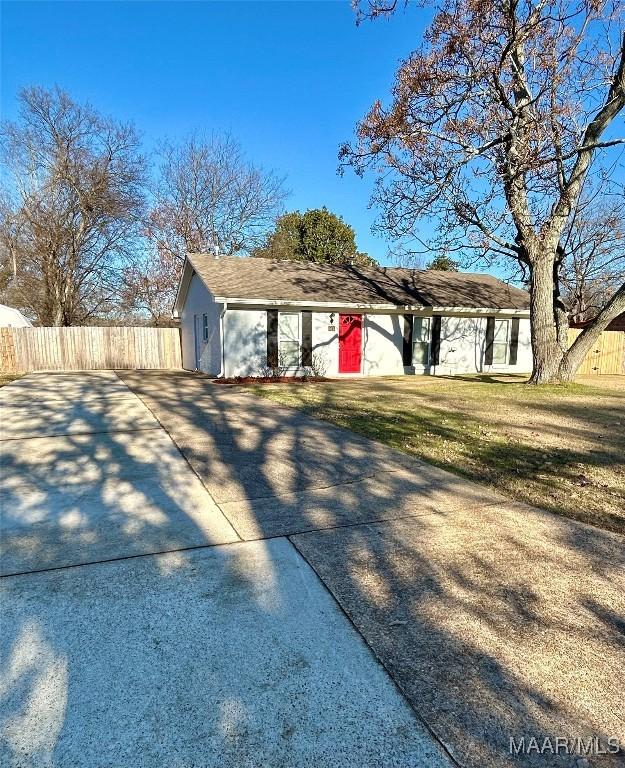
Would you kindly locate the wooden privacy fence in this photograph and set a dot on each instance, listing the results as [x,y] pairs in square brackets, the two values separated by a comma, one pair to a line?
[607,355]
[88,348]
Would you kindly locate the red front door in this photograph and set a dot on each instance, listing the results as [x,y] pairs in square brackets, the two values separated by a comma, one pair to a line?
[350,343]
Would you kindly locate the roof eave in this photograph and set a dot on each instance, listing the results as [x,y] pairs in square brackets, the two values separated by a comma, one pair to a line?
[183,286]
[482,310]
[236,300]
[305,303]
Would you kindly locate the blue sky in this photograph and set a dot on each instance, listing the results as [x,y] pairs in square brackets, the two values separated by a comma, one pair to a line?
[288,79]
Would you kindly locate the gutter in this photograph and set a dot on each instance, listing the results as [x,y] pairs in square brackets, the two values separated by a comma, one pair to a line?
[223,341]
[302,304]
[392,308]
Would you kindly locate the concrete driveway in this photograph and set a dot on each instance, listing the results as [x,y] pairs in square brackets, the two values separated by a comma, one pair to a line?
[139,630]
[88,474]
[494,620]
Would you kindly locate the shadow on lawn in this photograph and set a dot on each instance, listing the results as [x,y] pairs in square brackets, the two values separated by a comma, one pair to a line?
[445,428]
[487,618]
[487,378]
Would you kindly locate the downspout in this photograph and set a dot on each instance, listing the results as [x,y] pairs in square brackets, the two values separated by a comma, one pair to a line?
[223,342]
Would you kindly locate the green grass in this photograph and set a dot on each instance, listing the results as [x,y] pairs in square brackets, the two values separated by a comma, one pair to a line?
[558,447]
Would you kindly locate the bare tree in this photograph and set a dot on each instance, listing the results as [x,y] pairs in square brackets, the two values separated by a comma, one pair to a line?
[496,123]
[593,266]
[209,196]
[72,201]
[149,286]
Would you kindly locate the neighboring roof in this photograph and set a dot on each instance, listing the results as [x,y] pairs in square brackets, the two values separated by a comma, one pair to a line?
[12,318]
[247,278]
[618,324]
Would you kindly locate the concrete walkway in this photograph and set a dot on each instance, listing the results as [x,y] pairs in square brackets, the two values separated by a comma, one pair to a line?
[210,653]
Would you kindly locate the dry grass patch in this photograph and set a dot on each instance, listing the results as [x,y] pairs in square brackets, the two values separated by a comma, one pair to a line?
[558,447]
[7,378]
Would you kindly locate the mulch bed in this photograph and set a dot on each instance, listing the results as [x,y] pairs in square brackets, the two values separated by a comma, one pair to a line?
[272,380]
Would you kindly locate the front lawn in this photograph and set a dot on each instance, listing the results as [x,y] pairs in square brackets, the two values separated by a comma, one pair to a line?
[7,378]
[557,447]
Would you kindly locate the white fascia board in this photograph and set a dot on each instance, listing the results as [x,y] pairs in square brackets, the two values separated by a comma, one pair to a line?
[337,306]
[234,302]
[183,287]
[480,311]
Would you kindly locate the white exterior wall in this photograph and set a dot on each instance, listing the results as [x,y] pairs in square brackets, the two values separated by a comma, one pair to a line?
[325,343]
[200,301]
[245,342]
[524,360]
[383,345]
[13,318]
[463,340]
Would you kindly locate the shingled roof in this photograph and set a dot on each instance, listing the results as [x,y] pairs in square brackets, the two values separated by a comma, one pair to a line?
[306,282]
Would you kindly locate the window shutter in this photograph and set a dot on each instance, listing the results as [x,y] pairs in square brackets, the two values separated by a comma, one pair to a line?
[490,338]
[307,358]
[272,338]
[514,340]
[435,350]
[407,356]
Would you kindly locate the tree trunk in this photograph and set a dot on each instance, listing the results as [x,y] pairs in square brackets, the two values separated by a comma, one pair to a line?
[546,335]
[587,338]
[554,362]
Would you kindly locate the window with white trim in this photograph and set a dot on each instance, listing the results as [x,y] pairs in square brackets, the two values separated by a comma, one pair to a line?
[421,341]
[501,342]
[204,327]
[289,346]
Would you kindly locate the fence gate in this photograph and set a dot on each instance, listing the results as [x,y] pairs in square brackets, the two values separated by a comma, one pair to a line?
[607,355]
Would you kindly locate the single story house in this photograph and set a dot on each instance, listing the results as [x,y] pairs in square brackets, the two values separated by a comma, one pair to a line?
[255,317]
[12,318]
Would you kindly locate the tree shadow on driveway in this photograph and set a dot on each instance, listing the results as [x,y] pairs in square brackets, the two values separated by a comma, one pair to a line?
[497,620]
[214,656]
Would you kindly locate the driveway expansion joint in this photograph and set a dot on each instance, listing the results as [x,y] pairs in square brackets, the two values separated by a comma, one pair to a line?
[441,743]
[181,452]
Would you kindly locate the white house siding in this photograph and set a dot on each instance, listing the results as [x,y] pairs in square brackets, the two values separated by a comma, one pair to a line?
[12,318]
[524,355]
[245,333]
[463,340]
[383,343]
[325,343]
[245,342]
[199,301]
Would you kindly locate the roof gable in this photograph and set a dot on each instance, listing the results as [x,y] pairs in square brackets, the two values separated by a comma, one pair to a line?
[306,282]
